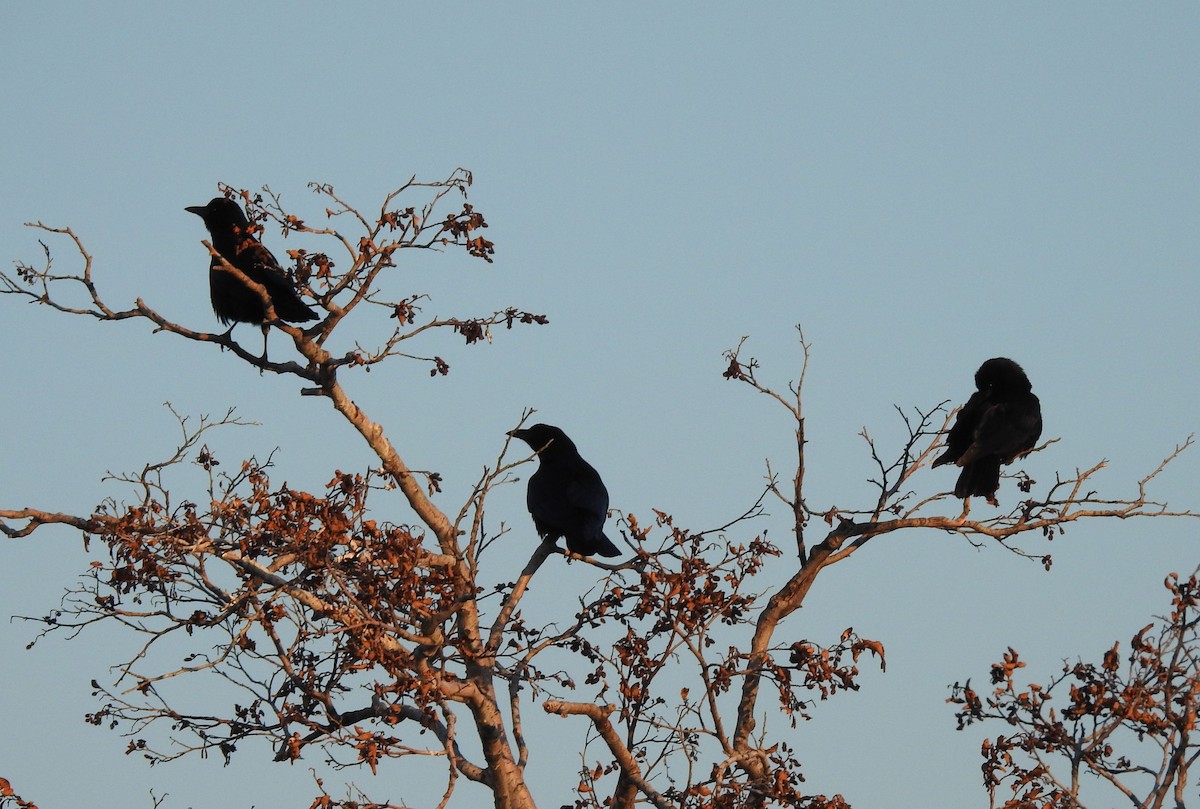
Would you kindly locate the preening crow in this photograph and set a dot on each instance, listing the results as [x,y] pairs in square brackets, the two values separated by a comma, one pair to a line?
[999,423]
[233,301]
[566,496]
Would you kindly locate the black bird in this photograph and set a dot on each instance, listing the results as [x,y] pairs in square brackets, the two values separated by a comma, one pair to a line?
[233,301]
[566,496]
[999,423]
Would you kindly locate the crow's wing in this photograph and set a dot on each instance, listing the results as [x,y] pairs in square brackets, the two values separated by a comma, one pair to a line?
[1025,416]
[260,266]
[962,434]
[1006,430]
[568,499]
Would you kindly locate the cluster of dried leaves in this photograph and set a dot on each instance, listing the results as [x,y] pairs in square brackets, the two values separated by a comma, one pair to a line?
[9,799]
[1127,721]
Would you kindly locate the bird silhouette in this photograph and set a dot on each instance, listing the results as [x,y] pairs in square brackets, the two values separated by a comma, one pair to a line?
[1001,422]
[566,496]
[232,300]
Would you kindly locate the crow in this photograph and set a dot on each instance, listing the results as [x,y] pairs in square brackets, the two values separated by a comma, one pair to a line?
[566,496]
[1001,422]
[233,301]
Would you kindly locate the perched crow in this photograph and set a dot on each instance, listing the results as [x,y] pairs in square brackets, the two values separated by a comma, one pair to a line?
[999,423]
[566,496]
[233,301]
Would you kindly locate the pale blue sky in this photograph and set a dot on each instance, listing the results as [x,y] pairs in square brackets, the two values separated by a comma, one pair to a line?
[921,188]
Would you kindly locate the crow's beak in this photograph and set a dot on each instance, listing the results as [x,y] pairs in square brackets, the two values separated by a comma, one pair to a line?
[515,433]
[198,210]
